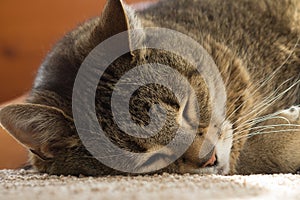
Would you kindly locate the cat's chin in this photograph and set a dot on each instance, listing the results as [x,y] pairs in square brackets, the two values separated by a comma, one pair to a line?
[218,170]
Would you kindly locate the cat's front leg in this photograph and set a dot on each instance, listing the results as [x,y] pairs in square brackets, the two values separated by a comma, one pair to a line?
[274,145]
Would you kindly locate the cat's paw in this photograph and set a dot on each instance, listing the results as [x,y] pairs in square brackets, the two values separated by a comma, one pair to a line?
[292,114]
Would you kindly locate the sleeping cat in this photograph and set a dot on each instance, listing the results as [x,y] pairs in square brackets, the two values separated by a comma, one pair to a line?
[254,44]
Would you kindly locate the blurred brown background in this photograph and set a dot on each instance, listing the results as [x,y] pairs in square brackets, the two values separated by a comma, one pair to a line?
[28,31]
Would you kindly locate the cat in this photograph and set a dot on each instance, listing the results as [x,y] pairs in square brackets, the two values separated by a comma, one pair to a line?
[255,46]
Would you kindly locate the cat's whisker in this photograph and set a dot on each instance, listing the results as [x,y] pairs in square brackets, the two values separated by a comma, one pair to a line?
[234,112]
[267,104]
[250,88]
[259,120]
[261,128]
[262,103]
[266,80]
[262,133]
[233,103]
[282,65]
[240,132]
[272,101]
[262,120]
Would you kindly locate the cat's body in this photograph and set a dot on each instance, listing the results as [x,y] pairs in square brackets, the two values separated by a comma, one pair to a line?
[255,47]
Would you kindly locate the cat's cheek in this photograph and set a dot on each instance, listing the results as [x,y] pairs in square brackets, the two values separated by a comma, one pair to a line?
[223,148]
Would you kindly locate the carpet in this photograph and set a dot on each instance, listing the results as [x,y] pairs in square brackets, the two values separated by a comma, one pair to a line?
[22,184]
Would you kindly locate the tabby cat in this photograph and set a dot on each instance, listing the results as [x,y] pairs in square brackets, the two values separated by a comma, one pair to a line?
[255,46]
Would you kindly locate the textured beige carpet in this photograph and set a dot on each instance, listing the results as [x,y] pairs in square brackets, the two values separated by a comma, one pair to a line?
[29,185]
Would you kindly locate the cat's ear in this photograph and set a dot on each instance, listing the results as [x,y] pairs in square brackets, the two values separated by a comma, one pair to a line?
[43,130]
[114,18]
[117,18]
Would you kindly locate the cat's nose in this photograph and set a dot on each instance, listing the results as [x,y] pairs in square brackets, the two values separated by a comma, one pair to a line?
[208,161]
[212,159]
[192,157]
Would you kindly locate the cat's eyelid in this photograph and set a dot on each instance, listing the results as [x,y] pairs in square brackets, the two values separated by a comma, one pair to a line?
[40,155]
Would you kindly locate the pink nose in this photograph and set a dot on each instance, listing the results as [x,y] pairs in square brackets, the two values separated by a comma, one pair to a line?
[211,161]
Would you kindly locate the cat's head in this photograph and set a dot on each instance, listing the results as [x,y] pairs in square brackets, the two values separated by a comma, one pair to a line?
[46,126]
